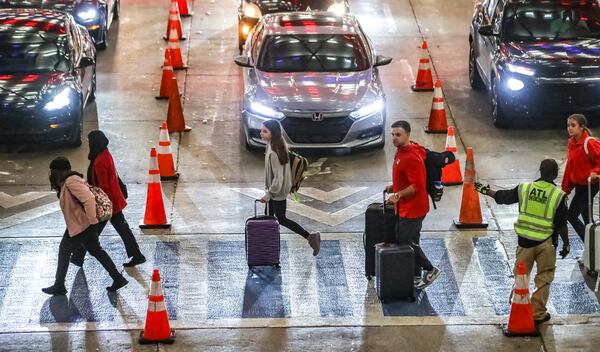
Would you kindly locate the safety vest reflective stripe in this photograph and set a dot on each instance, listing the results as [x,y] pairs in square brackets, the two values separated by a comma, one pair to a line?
[538,202]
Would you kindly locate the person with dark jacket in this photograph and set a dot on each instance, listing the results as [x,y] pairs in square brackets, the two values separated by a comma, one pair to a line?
[542,214]
[102,173]
[583,163]
[78,206]
[409,194]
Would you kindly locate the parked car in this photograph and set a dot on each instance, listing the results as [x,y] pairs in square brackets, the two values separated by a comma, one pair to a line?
[538,58]
[95,15]
[250,11]
[47,75]
[317,74]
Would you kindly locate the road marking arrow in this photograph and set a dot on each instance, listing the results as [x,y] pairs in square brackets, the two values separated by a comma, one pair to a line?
[7,201]
[331,219]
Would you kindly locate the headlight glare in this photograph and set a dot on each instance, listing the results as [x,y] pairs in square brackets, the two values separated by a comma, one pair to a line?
[338,8]
[520,69]
[263,110]
[88,15]
[60,100]
[367,110]
[515,84]
[251,10]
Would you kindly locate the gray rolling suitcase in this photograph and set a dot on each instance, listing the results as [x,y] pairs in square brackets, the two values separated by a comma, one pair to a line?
[394,272]
[591,243]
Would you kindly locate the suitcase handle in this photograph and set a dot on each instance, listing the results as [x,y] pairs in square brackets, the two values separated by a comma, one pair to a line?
[591,201]
[266,205]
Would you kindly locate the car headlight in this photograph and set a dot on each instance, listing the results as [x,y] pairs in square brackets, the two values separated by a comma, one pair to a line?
[265,111]
[338,8]
[60,100]
[520,69]
[251,10]
[367,110]
[515,84]
[88,15]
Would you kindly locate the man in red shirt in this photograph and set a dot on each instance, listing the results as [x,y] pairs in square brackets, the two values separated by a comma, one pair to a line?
[410,198]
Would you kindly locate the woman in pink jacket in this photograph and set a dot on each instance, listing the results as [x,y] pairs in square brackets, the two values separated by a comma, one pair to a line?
[78,206]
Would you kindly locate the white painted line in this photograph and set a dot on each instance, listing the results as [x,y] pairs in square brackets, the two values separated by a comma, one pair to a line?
[304,292]
[7,201]
[28,215]
[331,219]
[389,18]
[331,196]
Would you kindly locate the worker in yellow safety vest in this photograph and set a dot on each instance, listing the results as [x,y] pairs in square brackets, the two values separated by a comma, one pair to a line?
[543,215]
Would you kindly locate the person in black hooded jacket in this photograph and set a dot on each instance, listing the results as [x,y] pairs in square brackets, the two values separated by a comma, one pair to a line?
[102,173]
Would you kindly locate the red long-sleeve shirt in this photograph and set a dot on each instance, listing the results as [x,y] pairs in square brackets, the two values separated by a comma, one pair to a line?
[579,164]
[104,175]
[409,169]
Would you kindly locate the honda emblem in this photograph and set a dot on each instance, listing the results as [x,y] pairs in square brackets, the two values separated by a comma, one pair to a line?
[317,117]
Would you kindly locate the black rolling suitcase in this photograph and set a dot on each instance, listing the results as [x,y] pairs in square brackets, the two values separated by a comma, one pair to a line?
[394,272]
[380,224]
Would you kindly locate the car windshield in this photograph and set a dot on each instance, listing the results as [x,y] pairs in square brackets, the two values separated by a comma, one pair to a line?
[552,21]
[313,53]
[33,53]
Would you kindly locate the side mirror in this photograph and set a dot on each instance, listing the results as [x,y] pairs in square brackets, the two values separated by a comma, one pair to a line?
[243,61]
[486,30]
[86,61]
[381,60]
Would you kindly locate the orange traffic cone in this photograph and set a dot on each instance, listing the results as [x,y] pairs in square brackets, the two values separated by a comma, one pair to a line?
[175,51]
[451,175]
[184,9]
[166,165]
[470,209]
[167,77]
[157,329]
[174,22]
[155,216]
[175,119]
[424,81]
[437,117]
[520,320]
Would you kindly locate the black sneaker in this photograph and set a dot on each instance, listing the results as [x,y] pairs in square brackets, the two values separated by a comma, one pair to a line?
[55,290]
[428,279]
[136,260]
[117,284]
[543,320]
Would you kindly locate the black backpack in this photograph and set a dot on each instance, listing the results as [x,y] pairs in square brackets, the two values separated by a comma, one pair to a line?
[434,163]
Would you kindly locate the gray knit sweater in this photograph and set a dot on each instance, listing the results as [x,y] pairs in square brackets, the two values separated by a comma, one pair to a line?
[278,178]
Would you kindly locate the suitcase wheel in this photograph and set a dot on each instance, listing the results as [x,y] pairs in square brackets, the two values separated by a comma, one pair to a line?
[369,277]
[277,266]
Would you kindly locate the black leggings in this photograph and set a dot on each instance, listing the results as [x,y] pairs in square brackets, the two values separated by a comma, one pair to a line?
[579,206]
[89,239]
[120,224]
[278,208]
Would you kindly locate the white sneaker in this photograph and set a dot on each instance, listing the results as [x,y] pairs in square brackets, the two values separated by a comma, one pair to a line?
[314,240]
[429,278]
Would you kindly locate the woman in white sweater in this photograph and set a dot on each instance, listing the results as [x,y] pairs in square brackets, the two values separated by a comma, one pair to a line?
[278,181]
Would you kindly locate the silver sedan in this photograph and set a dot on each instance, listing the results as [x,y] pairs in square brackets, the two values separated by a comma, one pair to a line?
[316,73]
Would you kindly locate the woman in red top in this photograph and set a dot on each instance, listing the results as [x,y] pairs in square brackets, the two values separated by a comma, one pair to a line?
[102,173]
[583,162]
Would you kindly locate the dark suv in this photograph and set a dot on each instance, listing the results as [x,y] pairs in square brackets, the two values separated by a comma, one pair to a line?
[538,58]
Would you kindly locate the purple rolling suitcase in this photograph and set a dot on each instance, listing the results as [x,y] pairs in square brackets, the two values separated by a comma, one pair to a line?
[262,240]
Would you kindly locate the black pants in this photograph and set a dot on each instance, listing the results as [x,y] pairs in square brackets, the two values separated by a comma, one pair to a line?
[89,239]
[409,232]
[579,207]
[278,208]
[120,224]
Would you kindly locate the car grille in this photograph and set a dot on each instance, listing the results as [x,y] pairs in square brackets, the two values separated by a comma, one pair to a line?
[568,97]
[305,130]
